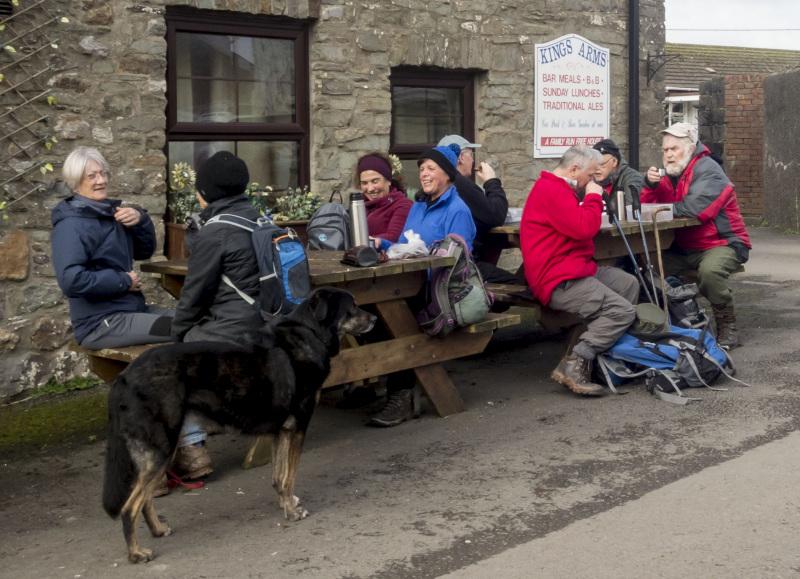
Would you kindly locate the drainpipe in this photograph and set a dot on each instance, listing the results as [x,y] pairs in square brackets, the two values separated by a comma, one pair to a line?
[633,83]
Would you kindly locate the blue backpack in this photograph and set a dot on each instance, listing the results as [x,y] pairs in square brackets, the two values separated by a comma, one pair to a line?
[284,277]
[669,361]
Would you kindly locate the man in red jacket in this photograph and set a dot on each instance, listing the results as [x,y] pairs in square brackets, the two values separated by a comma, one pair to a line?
[557,237]
[698,187]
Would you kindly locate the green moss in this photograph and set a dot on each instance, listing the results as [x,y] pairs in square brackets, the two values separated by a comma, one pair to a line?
[78,416]
[54,387]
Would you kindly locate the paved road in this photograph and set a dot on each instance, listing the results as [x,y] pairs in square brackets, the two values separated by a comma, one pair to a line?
[530,482]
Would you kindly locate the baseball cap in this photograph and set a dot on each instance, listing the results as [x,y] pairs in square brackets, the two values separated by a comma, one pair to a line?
[458,140]
[682,130]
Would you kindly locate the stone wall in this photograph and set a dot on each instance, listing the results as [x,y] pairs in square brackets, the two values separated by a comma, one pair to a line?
[108,74]
[731,123]
[781,143]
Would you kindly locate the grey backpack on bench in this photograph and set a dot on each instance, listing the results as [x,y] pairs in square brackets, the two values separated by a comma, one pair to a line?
[456,294]
[329,227]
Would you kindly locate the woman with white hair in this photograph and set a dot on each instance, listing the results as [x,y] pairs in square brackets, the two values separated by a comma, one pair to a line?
[95,242]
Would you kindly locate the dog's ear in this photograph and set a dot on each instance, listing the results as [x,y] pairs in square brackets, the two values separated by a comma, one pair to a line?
[320,302]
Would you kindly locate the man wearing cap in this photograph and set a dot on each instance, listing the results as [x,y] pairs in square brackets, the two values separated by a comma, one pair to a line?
[614,173]
[561,217]
[489,206]
[698,187]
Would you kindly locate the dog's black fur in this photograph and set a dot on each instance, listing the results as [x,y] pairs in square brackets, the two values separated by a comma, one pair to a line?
[270,387]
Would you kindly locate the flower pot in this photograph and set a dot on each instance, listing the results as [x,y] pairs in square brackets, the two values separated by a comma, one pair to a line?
[174,246]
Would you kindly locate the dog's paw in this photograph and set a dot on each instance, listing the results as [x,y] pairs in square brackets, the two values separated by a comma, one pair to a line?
[295,512]
[140,556]
[163,531]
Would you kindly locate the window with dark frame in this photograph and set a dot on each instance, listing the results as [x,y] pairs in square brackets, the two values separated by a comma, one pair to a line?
[239,84]
[428,104]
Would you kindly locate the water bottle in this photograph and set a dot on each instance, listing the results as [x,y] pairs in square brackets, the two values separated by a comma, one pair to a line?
[359,233]
[622,213]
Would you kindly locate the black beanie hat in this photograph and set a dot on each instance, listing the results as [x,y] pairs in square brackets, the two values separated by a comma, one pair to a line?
[607,147]
[222,175]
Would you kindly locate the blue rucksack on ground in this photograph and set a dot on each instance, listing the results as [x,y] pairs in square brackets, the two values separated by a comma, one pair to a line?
[284,276]
[669,362]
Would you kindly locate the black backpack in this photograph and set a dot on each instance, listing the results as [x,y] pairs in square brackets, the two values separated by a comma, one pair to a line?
[284,278]
[329,226]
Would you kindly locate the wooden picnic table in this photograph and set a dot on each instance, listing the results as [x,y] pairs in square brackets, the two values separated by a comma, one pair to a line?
[385,287]
[608,243]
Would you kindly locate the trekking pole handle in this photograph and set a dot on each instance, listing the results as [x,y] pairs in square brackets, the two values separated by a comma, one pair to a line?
[636,200]
[611,206]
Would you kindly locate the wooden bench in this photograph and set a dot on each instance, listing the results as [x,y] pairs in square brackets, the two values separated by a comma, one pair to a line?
[521,296]
[109,362]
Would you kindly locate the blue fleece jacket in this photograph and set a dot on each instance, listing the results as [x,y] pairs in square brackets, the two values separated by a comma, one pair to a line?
[92,253]
[449,214]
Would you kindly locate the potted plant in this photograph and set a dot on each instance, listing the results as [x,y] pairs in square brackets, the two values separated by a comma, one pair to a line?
[182,203]
[295,208]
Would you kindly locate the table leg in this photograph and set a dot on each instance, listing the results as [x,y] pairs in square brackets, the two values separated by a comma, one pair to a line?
[399,321]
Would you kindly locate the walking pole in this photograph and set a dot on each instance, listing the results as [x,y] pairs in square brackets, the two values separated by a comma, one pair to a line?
[656,211]
[636,205]
[612,217]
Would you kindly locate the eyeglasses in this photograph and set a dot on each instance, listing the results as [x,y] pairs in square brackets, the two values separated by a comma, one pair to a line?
[93,176]
[604,163]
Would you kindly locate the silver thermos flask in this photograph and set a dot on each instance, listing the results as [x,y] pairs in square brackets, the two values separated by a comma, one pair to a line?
[359,233]
[622,213]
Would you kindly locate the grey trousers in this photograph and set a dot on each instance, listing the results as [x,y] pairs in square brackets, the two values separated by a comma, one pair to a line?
[131,329]
[605,303]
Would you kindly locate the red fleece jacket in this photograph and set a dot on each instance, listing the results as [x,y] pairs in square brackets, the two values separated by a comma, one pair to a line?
[557,235]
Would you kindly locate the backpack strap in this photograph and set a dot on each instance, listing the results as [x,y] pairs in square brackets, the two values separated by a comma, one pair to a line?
[234,220]
[704,352]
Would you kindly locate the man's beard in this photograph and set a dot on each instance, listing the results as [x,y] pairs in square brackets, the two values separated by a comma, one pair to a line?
[679,167]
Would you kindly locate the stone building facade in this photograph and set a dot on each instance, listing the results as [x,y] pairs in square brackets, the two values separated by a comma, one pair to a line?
[109,75]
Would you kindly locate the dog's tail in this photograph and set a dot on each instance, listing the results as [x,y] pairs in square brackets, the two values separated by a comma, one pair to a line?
[120,468]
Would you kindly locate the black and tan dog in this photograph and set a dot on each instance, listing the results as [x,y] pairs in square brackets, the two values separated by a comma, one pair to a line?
[270,388]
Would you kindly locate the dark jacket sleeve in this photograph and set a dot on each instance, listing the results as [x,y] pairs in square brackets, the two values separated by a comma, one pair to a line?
[74,242]
[203,277]
[489,206]
[144,237]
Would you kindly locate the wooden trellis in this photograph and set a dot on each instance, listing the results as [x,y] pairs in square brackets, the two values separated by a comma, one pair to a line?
[27,36]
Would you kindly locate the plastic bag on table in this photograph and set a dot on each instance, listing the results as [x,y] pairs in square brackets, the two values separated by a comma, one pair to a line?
[414,248]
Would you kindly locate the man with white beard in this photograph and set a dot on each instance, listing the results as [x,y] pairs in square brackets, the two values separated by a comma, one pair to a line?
[698,187]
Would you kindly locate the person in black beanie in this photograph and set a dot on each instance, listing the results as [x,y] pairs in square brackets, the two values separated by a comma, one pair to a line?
[209,308]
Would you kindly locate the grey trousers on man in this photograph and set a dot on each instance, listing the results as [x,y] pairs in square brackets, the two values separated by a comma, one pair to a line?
[605,302]
[131,329]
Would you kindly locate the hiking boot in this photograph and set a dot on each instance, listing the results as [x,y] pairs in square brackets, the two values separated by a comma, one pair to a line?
[399,408]
[192,462]
[727,336]
[575,373]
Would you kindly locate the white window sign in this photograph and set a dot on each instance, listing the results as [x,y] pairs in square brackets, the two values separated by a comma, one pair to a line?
[572,95]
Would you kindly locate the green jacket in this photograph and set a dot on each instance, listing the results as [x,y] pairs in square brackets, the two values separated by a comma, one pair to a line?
[620,179]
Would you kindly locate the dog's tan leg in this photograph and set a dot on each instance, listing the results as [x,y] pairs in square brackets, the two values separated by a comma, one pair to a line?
[285,458]
[156,526]
[130,517]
